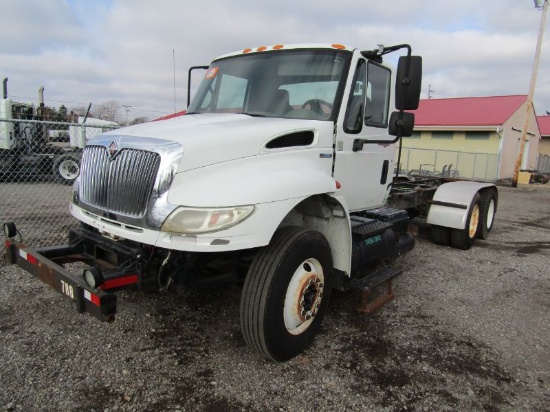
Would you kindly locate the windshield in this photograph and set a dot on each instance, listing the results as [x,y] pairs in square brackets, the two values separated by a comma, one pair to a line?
[293,84]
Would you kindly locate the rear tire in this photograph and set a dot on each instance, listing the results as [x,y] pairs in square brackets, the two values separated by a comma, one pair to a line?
[286,293]
[487,211]
[464,238]
[440,235]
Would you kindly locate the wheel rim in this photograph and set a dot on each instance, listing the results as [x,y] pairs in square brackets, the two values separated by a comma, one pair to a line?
[303,296]
[474,221]
[490,214]
[68,169]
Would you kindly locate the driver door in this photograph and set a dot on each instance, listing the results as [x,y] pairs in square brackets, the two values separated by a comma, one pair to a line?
[364,175]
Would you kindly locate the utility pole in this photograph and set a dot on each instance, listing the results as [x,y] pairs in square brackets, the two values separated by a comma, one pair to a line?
[529,103]
[127,109]
[430,91]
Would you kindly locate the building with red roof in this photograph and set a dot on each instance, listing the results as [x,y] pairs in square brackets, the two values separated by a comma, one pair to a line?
[544,127]
[475,137]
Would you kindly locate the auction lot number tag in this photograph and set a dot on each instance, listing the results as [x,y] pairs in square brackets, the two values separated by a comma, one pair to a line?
[67,289]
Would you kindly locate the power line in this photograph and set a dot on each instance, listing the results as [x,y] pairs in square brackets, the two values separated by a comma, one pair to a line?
[84,104]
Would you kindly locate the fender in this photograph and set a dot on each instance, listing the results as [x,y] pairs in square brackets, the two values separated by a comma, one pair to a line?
[330,216]
[259,179]
[451,203]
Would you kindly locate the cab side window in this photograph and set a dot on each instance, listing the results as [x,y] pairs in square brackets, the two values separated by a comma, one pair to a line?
[370,98]
[353,122]
[378,95]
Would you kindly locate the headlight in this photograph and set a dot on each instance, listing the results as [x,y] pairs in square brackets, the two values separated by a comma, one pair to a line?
[192,221]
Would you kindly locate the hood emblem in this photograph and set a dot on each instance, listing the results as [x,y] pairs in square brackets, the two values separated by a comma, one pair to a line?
[113,149]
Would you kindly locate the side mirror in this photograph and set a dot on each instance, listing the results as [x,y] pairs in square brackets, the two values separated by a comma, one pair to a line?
[401,124]
[408,83]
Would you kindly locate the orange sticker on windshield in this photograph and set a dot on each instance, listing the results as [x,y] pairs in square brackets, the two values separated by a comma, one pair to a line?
[211,73]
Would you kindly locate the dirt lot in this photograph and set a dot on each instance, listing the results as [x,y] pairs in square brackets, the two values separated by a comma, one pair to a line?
[469,330]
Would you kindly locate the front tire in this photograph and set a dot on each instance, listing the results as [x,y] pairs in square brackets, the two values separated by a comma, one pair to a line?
[286,293]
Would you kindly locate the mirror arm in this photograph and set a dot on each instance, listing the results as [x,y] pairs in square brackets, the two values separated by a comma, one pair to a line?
[189,81]
[358,143]
[398,123]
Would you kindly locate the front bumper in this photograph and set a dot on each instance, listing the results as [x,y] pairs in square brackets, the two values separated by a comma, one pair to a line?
[46,264]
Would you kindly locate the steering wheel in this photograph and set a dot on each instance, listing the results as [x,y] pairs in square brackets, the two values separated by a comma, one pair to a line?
[316,105]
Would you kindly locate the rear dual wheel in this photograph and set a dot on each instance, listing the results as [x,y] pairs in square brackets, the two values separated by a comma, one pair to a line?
[487,211]
[286,292]
[440,235]
[481,216]
[464,238]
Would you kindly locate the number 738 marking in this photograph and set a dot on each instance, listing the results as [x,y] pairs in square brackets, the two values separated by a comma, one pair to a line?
[67,289]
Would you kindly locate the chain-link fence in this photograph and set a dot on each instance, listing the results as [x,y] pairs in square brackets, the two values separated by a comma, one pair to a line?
[543,164]
[39,160]
[447,163]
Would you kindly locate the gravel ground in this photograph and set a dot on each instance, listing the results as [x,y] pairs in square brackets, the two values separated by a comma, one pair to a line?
[469,330]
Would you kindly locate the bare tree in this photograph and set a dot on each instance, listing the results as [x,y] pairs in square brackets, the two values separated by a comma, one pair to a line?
[139,120]
[108,110]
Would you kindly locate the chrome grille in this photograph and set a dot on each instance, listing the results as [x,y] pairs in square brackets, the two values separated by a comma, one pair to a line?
[122,184]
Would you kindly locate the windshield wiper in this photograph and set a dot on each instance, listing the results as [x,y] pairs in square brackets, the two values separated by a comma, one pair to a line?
[246,113]
[254,114]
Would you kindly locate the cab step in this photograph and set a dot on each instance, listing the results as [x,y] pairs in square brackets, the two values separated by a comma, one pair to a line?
[368,283]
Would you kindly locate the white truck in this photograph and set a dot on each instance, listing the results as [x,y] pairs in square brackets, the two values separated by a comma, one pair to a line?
[279,178]
[26,146]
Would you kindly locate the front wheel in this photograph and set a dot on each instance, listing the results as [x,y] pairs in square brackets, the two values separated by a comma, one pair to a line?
[286,292]
[66,168]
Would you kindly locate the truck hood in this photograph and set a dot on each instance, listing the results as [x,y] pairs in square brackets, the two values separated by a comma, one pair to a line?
[209,139]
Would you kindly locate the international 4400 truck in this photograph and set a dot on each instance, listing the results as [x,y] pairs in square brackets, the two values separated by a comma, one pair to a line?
[281,177]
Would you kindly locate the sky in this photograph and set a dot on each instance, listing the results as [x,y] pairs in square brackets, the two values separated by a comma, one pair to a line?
[134,51]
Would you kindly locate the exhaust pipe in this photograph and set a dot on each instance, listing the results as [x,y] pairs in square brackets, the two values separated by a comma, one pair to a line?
[41,96]
[5,87]
[40,110]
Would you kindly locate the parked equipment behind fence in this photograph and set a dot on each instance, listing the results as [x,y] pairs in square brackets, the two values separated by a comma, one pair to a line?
[447,163]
